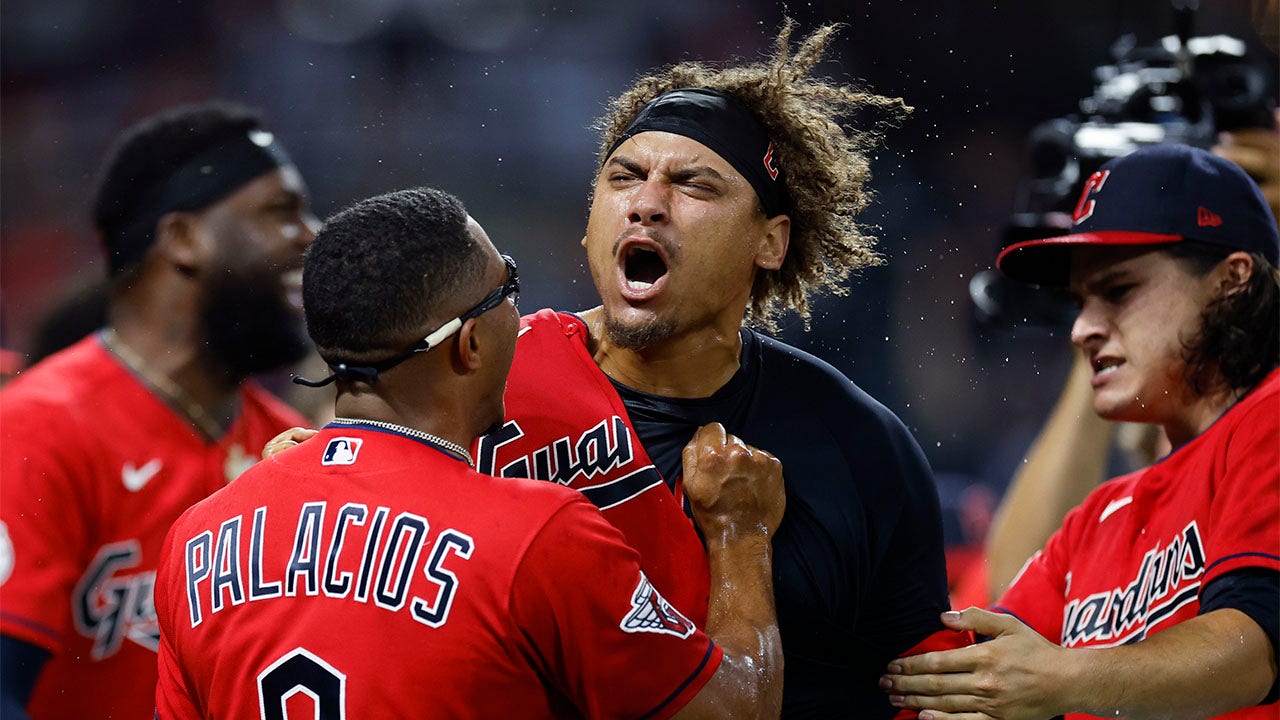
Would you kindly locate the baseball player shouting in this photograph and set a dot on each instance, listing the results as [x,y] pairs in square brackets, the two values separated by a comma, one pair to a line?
[1160,594]
[724,194]
[373,573]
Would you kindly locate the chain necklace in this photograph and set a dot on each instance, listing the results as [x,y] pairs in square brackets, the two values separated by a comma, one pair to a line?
[168,390]
[452,447]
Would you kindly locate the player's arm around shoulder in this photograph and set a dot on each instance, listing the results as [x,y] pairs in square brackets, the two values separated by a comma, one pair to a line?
[287,439]
[736,492]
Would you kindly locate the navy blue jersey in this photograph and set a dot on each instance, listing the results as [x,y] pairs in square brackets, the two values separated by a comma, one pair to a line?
[859,571]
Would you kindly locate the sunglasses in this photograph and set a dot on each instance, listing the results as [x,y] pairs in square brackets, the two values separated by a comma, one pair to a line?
[510,288]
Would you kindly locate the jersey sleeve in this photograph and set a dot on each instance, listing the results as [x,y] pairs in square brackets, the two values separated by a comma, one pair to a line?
[599,629]
[174,700]
[42,522]
[909,576]
[1244,519]
[1036,594]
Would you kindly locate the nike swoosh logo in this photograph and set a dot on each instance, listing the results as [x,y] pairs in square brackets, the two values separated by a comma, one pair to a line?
[1113,506]
[524,330]
[135,478]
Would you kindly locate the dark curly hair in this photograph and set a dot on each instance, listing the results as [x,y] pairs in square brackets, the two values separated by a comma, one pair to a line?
[825,160]
[379,270]
[145,155]
[1238,340]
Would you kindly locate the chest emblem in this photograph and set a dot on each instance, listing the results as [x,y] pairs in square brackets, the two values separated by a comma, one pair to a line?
[1167,580]
[136,478]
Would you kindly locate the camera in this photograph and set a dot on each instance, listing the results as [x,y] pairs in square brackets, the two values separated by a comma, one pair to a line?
[1183,90]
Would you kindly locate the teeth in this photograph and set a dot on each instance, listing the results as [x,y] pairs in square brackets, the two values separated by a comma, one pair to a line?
[639,285]
[291,281]
[1108,368]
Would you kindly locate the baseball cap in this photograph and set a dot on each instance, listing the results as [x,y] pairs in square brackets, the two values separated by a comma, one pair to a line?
[1157,195]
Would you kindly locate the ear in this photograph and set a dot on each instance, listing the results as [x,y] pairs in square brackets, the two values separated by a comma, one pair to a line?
[773,246]
[467,352]
[184,241]
[1237,268]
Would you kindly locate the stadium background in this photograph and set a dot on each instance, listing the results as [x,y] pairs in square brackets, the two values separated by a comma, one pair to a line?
[493,100]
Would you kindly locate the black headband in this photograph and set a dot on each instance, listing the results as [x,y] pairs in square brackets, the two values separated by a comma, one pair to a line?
[196,184]
[719,121]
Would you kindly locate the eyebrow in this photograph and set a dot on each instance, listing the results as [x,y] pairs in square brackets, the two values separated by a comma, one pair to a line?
[1107,278]
[680,175]
[625,163]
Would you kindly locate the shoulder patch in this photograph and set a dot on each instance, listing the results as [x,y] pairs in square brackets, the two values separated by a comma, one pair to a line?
[6,553]
[650,612]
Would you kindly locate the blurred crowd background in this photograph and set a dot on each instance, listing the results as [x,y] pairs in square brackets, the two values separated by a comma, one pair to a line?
[494,100]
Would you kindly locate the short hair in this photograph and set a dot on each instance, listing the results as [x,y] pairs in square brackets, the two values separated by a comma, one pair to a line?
[379,270]
[1238,339]
[145,155]
[825,160]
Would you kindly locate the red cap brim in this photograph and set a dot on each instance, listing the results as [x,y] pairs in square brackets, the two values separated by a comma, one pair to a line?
[1047,261]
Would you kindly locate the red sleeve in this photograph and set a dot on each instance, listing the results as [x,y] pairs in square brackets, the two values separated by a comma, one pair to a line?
[597,626]
[944,639]
[174,700]
[42,523]
[1244,518]
[1037,592]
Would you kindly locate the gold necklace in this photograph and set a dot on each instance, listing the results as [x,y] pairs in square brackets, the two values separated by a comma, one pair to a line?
[168,390]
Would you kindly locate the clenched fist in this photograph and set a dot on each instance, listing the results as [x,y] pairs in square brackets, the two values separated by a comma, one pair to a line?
[735,489]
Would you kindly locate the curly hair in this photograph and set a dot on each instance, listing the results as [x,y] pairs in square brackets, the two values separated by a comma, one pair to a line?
[824,157]
[1238,340]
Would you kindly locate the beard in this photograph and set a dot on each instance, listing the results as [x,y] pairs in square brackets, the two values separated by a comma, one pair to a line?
[249,326]
[638,337]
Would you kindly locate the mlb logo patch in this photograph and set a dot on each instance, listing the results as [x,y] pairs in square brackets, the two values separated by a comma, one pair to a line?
[650,612]
[342,451]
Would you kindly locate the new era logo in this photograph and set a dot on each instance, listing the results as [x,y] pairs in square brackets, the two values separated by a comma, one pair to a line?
[1207,218]
[650,612]
[342,451]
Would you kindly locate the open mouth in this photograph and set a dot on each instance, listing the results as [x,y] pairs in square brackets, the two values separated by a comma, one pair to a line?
[643,267]
[1103,367]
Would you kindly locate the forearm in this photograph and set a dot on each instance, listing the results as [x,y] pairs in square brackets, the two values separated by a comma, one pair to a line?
[741,618]
[1066,461]
[1204,667]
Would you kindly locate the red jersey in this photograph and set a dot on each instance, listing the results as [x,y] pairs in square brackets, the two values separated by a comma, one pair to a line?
[567,424]
[369,573]
[1133,559]
[95,468]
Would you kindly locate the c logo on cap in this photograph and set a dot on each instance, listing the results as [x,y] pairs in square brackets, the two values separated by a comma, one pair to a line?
[1084,208]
